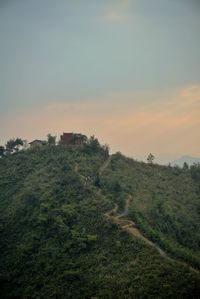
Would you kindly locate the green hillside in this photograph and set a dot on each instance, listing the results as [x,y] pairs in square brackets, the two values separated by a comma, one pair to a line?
[165,203]
[61,236]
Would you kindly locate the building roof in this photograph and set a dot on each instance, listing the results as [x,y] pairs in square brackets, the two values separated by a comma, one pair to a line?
[38,141]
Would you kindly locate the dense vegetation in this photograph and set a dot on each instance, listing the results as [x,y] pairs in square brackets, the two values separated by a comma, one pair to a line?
[57,243]
[166,203]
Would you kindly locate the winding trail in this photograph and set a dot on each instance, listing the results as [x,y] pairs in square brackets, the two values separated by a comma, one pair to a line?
[130,227]
[102,168]
[120,219]
[105,165]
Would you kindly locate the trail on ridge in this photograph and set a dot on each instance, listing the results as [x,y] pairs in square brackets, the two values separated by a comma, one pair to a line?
[130,227]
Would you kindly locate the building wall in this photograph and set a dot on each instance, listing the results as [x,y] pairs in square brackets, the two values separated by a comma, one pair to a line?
[68,139]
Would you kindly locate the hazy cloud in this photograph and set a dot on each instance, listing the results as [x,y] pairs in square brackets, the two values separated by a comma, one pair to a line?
[168,124]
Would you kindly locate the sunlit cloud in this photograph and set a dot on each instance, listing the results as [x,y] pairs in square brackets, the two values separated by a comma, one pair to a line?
[133,123]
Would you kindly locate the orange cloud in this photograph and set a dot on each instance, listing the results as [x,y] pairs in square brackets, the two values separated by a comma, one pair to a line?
[131,123]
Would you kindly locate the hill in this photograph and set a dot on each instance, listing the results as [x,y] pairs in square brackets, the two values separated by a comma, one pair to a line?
[76,223]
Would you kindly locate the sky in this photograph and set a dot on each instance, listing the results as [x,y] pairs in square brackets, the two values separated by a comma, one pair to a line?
[126,71]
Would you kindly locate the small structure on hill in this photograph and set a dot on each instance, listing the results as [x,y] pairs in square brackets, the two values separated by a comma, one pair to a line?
[72,139]
[37,143]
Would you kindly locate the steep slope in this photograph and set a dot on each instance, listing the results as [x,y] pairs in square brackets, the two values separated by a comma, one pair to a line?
[165,205]
[56,241]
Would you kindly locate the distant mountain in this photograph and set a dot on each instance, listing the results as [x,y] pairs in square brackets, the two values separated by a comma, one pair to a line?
[188,159]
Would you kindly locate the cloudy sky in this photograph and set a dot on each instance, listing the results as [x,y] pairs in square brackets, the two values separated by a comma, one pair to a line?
[127,71]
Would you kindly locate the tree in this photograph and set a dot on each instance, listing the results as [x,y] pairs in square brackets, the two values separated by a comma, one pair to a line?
[106,148]
[84,139]
[13,145]
[2,151]
[185,166]
[195,172]
[94,144]
[18,142]
[10,146]
[51,140]
[150,158]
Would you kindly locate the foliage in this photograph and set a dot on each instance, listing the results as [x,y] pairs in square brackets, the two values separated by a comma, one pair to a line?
[2,151]
[195,172]
[150,158]
[92,146]
[51,140]
[56,241]
[165,206]
[185,166]
[13,145]
[82,137]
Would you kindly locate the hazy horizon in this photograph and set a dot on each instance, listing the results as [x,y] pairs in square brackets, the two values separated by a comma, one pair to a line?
[125,71]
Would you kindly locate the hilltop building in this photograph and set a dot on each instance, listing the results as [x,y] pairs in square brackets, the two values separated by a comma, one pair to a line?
[37,143]
[71,139]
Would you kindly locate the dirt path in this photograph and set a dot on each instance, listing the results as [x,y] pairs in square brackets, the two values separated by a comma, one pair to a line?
[105,165]
[130,227]
[112,212]
[126,209]
[102,168]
